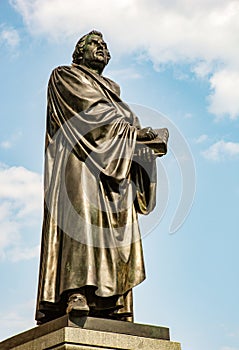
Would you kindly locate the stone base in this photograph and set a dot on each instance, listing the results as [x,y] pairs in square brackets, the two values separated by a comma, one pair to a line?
[88,333]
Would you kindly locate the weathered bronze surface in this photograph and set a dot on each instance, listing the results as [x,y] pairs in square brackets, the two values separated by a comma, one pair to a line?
[96,183]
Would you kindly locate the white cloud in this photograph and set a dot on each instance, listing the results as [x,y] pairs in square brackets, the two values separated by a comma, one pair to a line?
[201,138]
[203,33]
[204,68]
[9,36]
[225,93]
[126,73]
[20,210]
[22,253]
[188,116]
[222,150]
[169,30]
[6,144]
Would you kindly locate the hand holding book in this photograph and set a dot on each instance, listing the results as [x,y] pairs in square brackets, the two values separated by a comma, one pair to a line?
[146,134]
[155,139]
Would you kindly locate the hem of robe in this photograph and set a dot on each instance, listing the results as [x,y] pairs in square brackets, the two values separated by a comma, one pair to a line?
[113,307]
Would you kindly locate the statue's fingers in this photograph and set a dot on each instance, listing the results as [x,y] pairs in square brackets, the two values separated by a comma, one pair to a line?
[152,134]
[149,154]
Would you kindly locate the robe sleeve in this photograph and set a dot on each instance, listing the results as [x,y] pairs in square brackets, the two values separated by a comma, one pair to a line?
[97,129]
[144,177]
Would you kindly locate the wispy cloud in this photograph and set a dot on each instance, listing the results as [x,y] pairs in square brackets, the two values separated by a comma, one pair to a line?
[9,37]
[202,138]
[188,116]
[20,210]
[6,144]
[204,68]
[221,150]
[22,253]
[126,73]
[224,98]
[17,319]
[11,141]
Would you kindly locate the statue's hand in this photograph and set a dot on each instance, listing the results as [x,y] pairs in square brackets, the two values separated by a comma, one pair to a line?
[146,134]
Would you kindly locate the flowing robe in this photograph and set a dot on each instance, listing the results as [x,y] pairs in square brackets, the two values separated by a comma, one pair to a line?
[93,192]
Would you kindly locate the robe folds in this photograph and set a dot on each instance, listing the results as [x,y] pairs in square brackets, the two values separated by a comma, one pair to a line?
[94,189]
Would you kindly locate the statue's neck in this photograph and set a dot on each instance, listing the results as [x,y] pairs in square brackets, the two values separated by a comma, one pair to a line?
[96,70]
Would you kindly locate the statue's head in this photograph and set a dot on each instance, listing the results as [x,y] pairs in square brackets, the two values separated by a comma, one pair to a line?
[92,51]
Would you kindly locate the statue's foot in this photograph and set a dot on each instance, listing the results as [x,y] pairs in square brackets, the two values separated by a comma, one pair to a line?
[77,305]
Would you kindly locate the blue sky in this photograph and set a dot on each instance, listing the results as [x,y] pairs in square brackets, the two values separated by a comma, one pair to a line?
[175,61]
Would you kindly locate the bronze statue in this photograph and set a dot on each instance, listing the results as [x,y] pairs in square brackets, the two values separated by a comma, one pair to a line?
[96,183]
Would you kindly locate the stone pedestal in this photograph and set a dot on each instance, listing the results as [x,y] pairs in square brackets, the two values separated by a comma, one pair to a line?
[88,333]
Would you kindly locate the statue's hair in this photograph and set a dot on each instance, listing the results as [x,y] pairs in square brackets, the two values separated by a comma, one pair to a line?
[80,47]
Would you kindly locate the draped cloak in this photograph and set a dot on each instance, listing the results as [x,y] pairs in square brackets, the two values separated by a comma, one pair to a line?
[93,191]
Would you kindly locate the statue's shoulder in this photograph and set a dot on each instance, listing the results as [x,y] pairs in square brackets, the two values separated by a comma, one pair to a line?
[58,71]
[62,69]
[66,73]
[113,85]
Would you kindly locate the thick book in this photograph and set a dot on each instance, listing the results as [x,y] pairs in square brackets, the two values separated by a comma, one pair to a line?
[159,143]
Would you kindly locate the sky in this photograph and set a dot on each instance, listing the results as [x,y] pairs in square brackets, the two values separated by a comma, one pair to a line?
[177,63]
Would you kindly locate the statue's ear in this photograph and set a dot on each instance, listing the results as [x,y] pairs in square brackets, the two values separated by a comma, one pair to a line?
[77,55]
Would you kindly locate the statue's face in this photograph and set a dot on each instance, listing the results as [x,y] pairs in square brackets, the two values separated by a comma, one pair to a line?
[95,52]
